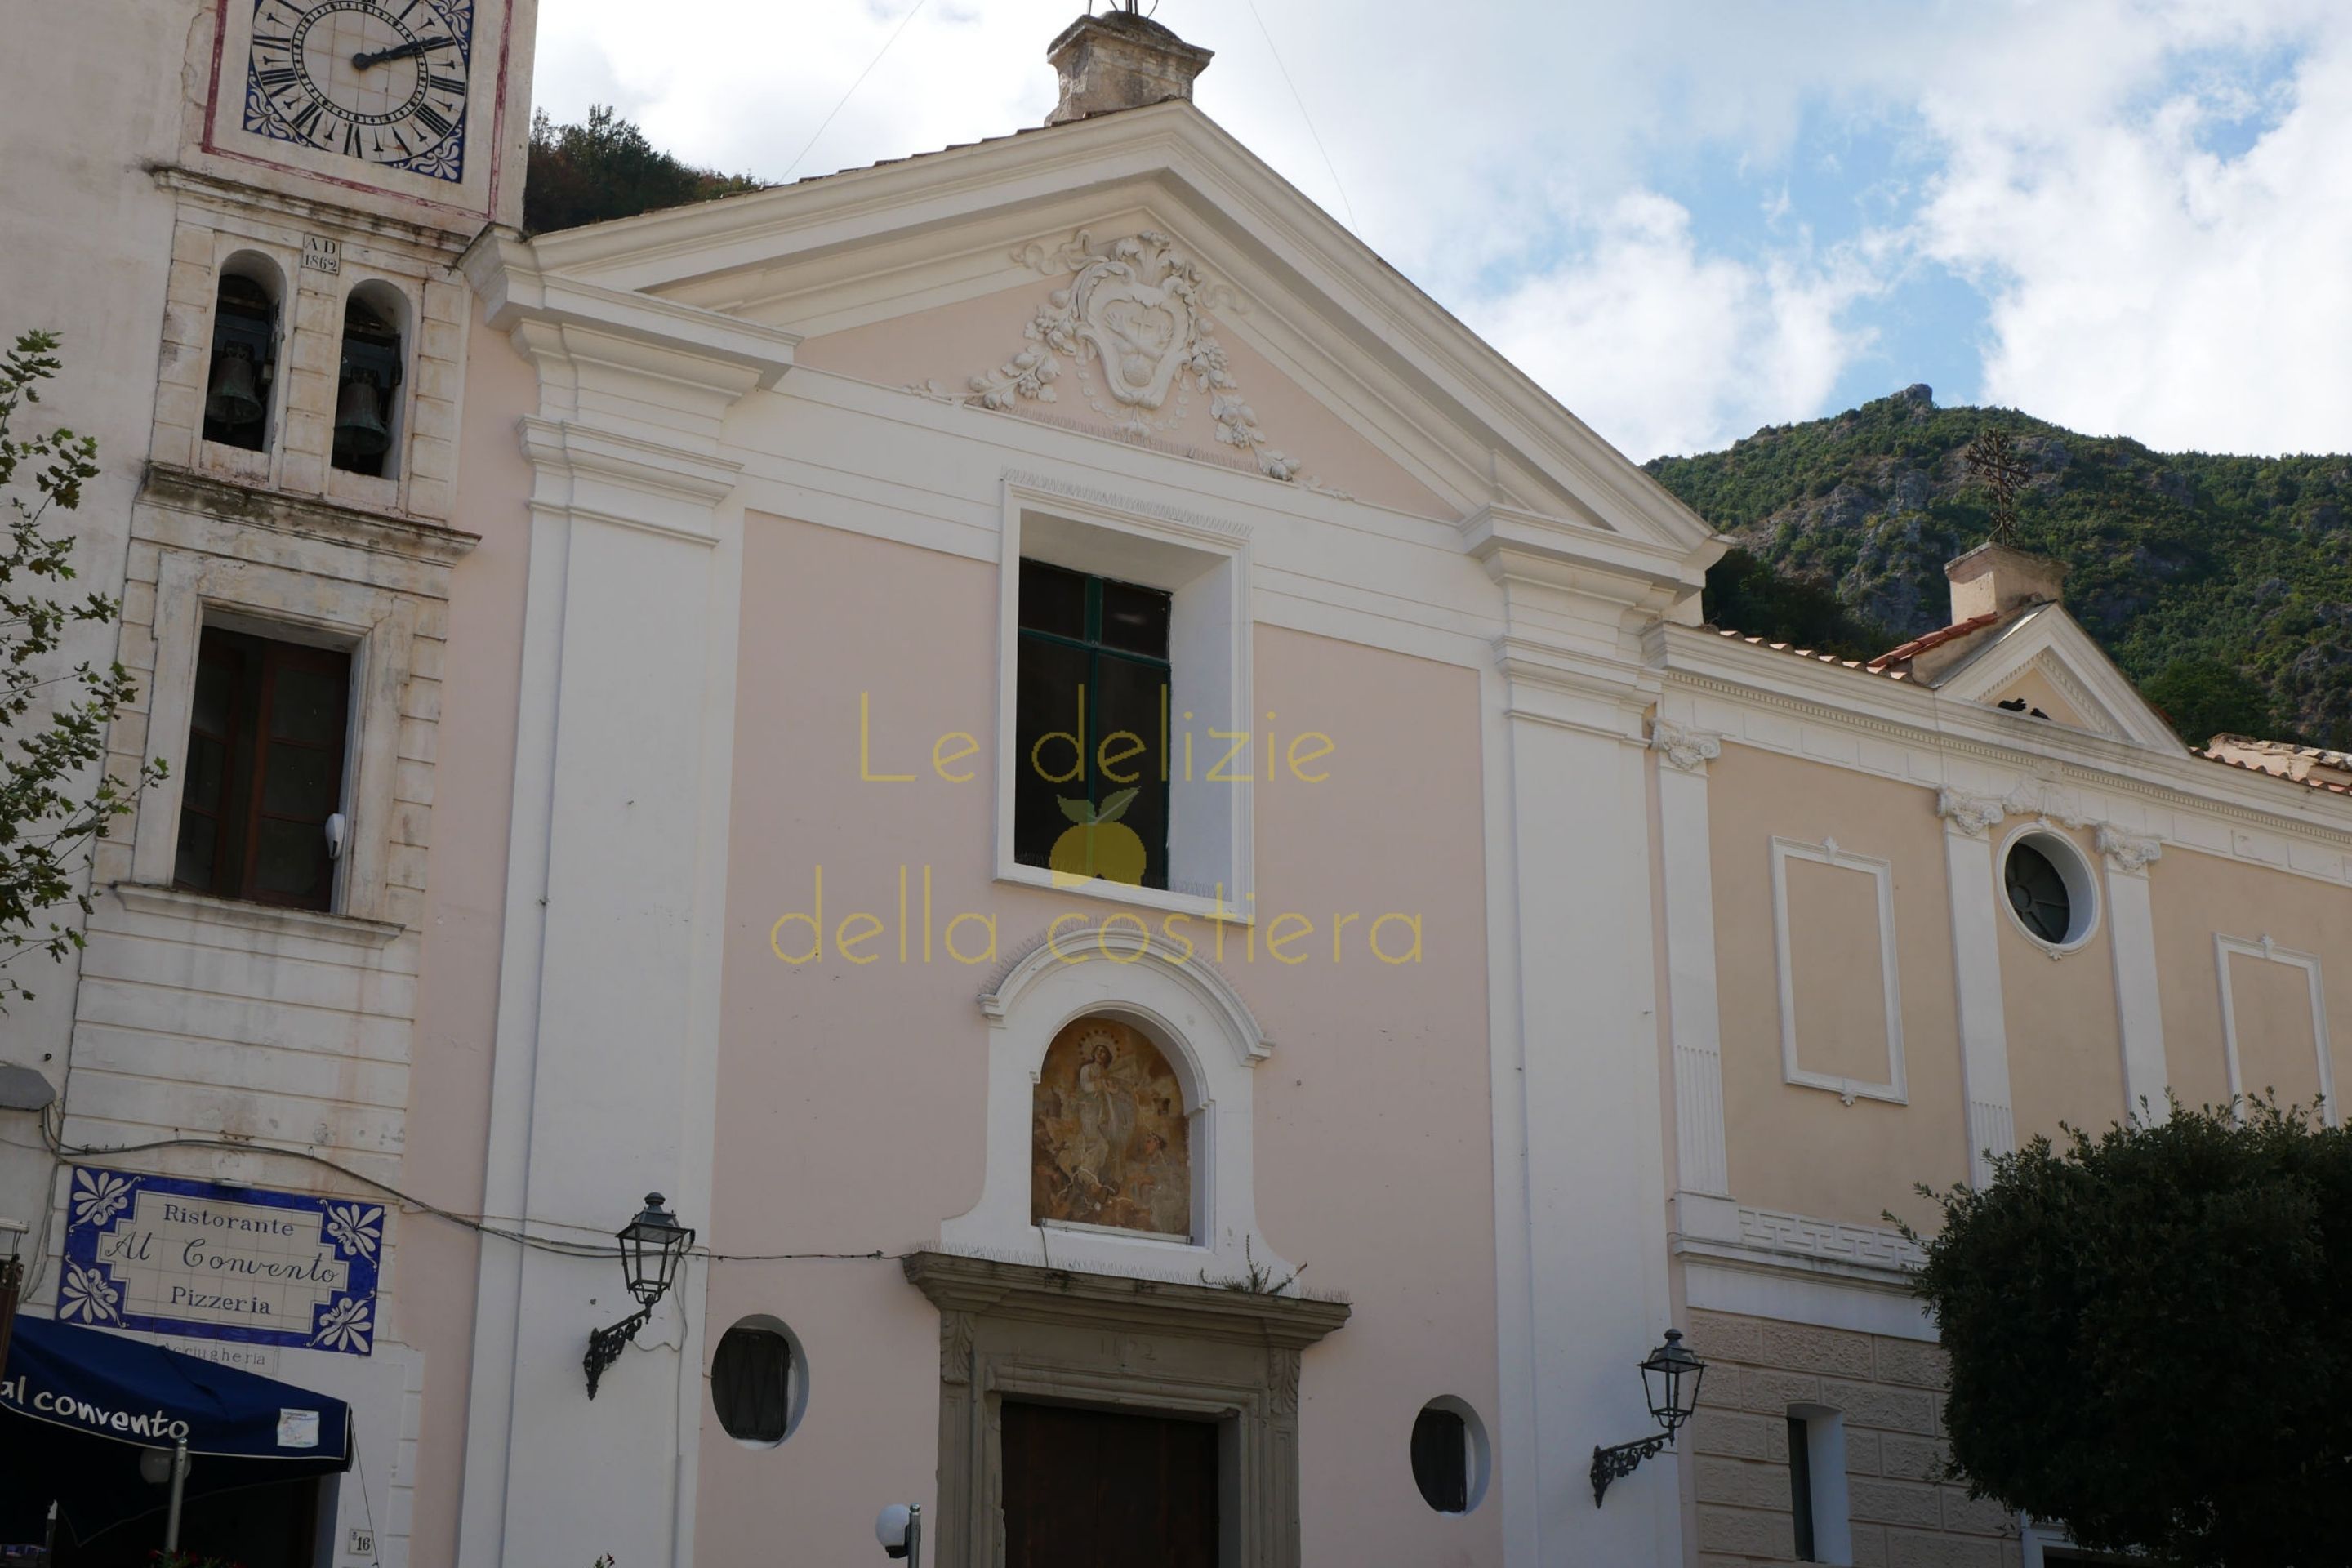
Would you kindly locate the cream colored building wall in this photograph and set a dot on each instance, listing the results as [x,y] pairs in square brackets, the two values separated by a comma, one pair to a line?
[849,1095]
[2199,898]
[2066,1045]
[1798,1148]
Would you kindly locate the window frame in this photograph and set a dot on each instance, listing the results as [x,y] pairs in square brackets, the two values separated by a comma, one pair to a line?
[377,626]
[245,749]
[1204,563]
[1819,1467]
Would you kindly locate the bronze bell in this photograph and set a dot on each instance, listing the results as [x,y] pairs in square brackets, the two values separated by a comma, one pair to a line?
[232,399]
[360,429]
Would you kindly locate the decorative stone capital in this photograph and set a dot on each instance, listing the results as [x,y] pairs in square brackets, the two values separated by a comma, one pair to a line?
[2125,853]
[1689,749]
[1969,815]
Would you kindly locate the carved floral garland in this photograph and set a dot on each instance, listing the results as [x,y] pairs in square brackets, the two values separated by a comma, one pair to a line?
[1135,322]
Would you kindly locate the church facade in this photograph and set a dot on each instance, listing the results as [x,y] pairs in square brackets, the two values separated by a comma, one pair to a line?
[1138,831]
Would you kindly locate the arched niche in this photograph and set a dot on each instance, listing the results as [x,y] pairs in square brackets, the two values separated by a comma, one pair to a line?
[241,380]
[1211,1044]
[373,361]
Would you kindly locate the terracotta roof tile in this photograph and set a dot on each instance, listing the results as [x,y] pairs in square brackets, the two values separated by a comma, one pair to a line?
[1936,638]
[2250,768]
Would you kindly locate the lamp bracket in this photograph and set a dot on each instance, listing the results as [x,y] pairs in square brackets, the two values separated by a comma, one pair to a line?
[606,1345]
[1615,1464]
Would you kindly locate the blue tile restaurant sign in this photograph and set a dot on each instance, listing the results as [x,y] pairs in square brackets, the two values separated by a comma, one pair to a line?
[197,1258]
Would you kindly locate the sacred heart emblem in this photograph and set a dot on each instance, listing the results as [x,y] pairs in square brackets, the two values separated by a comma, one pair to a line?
[1141,331]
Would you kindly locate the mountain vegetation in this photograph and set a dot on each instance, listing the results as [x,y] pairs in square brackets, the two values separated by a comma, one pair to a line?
[2222,585]
[606,168]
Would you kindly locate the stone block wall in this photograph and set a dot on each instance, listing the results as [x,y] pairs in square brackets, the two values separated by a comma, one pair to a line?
[1890,1392]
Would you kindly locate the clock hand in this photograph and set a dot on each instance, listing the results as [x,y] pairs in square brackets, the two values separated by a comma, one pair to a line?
[397,52]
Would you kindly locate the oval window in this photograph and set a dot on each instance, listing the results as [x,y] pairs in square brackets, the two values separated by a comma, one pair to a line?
[1449,1455]
[753,1382]
[2039,895]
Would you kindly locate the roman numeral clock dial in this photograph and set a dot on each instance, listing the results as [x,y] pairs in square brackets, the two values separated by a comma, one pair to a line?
[384,82]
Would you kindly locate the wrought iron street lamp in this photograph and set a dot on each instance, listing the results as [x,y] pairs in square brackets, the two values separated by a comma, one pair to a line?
[652,1247]
[1670,1381]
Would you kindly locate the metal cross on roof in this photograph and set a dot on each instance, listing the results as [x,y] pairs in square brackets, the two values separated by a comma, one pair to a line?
[1992,460]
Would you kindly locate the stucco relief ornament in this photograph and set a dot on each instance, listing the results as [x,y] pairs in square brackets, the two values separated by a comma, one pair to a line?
[1688,750]
[2125,853]
[1971,813]
[1134,320]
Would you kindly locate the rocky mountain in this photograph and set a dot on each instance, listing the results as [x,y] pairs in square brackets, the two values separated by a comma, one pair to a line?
[2222,584]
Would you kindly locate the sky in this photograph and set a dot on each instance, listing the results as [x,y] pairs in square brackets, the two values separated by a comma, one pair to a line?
[1686,219]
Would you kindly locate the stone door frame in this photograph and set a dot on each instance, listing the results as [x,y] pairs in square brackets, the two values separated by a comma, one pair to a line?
[1154,1347]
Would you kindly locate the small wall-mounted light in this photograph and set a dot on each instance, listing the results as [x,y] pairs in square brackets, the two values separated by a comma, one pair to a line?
[1670,1381]
[652,1247]
[899,1529]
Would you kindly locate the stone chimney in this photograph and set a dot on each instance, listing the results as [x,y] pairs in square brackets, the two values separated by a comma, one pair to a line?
[1121,60]
[1994,579]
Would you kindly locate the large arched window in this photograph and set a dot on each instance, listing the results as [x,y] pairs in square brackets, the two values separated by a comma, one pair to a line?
[244,354]
[1112,1144]
[367,414]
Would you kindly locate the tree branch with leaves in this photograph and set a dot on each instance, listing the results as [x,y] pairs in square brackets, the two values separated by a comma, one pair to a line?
[51,812]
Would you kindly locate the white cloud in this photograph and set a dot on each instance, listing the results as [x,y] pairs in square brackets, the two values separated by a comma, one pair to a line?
[1662,349]
[1507,156]
[2142,285]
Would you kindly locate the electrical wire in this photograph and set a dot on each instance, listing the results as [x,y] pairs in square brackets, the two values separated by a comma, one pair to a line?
[853,86]
[1314,134]
[478,1223]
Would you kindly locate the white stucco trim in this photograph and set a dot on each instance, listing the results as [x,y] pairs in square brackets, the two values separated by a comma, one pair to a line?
[1204,563]
[1695,1015]
[1881,872]
[2139,1002]
[1113,969]
[1976,973]
[2268,952]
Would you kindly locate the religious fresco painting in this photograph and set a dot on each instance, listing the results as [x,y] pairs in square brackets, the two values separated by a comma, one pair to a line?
[1109,1144]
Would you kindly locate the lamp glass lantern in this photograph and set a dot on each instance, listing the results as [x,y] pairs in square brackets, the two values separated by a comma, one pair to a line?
[1670,1379]
[652,1247]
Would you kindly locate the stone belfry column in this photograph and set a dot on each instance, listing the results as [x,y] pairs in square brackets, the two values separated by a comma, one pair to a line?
[1578,1130]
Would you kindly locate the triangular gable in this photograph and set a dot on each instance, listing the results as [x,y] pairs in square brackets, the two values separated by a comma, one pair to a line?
[1299,304]
[2045,658]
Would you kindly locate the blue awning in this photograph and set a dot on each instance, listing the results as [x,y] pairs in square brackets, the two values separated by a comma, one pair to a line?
[76,1407]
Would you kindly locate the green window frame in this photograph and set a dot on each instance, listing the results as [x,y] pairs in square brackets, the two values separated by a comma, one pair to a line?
[1093,671]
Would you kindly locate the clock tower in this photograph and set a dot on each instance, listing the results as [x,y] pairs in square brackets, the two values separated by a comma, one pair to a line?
[243,218]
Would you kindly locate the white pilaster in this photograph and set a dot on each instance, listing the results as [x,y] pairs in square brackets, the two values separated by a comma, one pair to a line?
[1976,967]
[2131,933]
[1689,892]
[1581,1143]
[604,1080]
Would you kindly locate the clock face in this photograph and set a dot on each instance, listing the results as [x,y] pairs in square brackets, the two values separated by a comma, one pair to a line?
[384,82]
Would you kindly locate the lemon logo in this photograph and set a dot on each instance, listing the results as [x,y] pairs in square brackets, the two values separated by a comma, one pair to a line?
[1098,844]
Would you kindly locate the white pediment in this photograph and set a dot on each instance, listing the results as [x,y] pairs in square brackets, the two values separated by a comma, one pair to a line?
[1144,274]
[2046,650]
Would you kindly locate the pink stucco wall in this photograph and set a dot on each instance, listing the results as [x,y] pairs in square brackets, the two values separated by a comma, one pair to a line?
[850,1098]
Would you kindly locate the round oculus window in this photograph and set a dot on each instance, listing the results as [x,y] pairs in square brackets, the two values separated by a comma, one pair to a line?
[2038,892]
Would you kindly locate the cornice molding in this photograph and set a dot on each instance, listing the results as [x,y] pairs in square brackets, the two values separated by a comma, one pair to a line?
[307,517]
[441,246]
[957,1283]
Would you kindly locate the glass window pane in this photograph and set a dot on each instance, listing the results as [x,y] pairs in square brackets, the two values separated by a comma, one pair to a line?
[298,781]
[1046,707]
[193,865]
[215,694]
[200,784]
[1135,619]
[306,703]
[750,1384]
[291,864]
[1053,600]
[1125,712]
